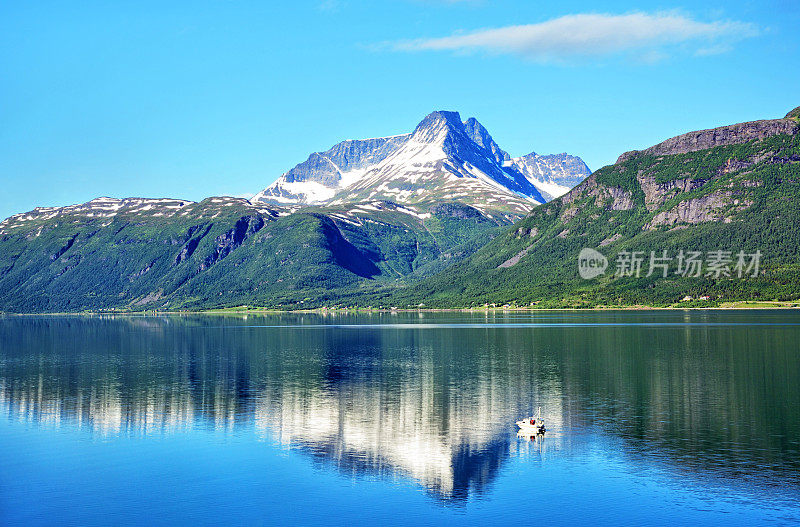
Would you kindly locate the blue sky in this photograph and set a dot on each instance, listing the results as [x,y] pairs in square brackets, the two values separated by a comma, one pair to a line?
[212,98]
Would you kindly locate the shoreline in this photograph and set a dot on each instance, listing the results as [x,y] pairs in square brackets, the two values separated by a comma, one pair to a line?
[727,306]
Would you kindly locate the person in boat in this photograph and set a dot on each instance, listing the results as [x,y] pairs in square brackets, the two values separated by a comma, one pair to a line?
[533,421]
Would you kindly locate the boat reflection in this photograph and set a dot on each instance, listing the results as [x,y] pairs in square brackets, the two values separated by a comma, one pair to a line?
[531,437]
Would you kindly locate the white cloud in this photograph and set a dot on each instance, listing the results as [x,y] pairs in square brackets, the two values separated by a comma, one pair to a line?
[591,35]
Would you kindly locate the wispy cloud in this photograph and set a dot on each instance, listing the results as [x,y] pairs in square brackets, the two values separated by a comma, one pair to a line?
[592,35]
[330,5]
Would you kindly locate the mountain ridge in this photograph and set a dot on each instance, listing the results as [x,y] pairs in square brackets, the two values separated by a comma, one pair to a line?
[721,136]
[137,253]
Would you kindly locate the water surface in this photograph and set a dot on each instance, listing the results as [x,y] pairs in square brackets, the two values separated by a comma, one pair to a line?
[653,418]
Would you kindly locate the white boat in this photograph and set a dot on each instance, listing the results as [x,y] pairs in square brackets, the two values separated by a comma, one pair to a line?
[532,425]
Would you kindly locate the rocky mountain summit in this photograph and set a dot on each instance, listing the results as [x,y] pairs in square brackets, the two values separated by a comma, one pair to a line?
[444,158]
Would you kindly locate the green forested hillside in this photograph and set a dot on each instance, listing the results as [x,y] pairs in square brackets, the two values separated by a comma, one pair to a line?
[734,197]
[165,254]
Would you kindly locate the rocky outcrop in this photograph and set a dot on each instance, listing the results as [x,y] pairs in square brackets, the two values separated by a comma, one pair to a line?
[611,239]
[710,207]
[725,135]
[569,213]
[64,248]
[191,245]
[522,232]
[142,272]
[514,260]
[656,194]
[227,242]
[619,199]
[151,297]
[455,210]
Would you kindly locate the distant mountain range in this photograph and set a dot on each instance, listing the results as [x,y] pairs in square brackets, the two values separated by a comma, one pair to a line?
[426,219]
[443,159]
[362,217]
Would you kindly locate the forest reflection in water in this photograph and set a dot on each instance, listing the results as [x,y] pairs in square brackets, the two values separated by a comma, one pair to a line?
[430,397]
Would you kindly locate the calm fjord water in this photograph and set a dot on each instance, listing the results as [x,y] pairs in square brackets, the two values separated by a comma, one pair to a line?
[653,418]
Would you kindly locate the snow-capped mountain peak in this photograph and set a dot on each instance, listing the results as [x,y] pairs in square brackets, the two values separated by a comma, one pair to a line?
[444,158]
[481,137]
[437,126]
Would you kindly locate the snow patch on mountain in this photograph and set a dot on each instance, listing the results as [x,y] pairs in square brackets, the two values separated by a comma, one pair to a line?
[105,207]
[555,174]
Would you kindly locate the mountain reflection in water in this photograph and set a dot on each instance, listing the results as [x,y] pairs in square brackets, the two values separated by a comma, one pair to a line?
[436,403]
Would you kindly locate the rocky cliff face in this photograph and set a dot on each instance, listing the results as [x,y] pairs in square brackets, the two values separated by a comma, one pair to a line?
[694,178]
[722,136]
[663,195]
